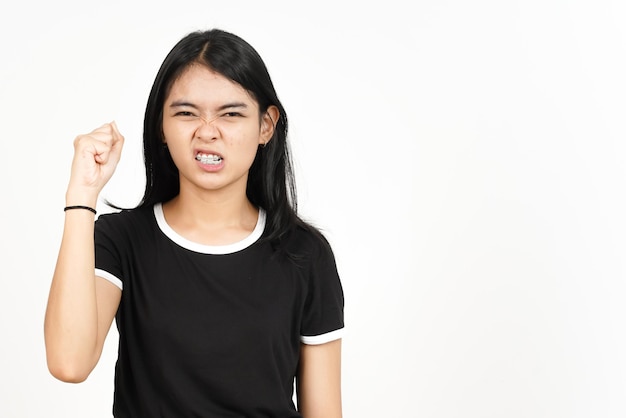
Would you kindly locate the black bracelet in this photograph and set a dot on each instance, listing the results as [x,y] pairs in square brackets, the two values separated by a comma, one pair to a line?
[79,207]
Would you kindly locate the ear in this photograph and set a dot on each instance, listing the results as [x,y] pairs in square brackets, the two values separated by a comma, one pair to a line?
[268,124]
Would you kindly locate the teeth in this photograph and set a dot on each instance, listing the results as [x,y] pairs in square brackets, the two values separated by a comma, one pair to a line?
[209,158]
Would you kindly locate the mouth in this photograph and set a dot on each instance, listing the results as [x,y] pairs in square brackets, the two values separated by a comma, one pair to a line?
[208,159]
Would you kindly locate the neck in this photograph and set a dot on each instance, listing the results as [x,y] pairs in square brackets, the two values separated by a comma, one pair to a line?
[211,208]
[211,218]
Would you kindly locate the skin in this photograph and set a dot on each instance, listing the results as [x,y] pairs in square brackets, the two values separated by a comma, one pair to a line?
[319,380]
[203,112]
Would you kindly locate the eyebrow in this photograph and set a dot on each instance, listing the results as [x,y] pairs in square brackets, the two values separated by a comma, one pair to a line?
[183,103]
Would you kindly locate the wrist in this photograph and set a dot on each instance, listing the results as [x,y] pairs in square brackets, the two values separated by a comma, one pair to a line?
[81,198]
[80,207]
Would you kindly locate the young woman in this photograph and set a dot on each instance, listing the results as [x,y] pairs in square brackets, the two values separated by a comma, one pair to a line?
[223,296]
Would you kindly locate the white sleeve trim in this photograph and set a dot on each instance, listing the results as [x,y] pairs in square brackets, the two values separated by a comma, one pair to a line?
[108,276]
[323,338]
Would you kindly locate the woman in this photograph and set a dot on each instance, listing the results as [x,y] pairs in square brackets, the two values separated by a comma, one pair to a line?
[222,295]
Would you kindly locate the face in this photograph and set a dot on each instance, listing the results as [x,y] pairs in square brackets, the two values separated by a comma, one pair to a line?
[212,128]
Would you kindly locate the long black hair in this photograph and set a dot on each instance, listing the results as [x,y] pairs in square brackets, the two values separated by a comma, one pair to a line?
[271,183]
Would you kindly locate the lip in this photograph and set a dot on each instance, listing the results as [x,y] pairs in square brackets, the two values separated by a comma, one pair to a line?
[206,151]
[211,168]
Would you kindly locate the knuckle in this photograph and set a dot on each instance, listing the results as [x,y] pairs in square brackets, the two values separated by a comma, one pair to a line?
[80,141]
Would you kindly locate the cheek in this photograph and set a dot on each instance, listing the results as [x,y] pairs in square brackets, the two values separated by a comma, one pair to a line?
[171,131]
[242,137]
[245,143]
[173,138]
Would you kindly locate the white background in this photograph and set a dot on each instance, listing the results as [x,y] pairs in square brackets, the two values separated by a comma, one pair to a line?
[466,160]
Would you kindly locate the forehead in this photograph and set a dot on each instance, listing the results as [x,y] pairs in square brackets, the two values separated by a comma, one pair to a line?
[203,86]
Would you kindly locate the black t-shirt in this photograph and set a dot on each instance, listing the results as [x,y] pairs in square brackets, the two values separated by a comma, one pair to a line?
[213,331]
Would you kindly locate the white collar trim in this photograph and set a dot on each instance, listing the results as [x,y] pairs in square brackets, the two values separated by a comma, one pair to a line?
[209,249]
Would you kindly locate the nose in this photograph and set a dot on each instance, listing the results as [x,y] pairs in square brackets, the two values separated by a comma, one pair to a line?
[207,130]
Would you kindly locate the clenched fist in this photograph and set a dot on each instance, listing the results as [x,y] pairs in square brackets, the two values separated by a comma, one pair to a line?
[96,155]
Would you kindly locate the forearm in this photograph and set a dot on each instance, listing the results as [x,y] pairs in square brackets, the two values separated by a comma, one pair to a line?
[71,323]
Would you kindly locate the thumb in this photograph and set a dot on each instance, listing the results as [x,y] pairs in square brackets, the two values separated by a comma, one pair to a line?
[118,141]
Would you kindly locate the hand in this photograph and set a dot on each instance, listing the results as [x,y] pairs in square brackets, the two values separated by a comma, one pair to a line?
[96,155]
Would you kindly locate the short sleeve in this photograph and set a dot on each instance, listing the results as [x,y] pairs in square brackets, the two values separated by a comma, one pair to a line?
[323,319]
[108,265]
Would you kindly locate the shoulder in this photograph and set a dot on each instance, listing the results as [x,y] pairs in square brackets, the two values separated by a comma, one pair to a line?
[127,215]
[306,242]
[125,220]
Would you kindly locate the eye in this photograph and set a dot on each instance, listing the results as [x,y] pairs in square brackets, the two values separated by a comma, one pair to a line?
[184,113]
[232,114]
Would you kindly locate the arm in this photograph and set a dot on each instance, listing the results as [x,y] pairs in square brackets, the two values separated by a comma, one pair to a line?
[319,380]
[80,307]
